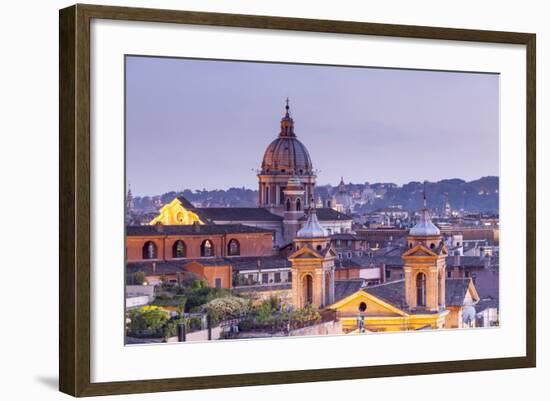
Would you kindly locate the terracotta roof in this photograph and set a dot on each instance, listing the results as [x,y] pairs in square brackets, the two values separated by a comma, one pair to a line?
[192,229]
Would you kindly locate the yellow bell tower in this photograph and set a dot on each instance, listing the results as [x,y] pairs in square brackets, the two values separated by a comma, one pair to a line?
[424,266]
[312,266]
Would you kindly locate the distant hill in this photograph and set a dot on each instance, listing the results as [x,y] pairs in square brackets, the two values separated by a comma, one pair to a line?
[480,195]
[473,196]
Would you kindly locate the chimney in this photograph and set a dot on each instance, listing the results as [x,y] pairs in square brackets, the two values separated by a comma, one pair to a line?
[159,227]
[196,227]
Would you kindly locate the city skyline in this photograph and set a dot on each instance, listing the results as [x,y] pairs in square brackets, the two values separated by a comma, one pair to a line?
[186,119]
[332,185]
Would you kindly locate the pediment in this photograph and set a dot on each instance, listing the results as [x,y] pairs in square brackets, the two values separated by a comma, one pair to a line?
[419,250]
[375,306]
[305,253]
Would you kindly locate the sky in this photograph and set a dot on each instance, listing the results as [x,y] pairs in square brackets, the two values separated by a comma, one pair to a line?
[205,124]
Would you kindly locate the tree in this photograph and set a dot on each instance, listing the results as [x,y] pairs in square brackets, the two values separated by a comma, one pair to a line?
[226,308]
[147,321]
[182,301]
[139,278]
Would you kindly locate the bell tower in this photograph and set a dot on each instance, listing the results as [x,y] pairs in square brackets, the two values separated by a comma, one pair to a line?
[424,266]
[312,265]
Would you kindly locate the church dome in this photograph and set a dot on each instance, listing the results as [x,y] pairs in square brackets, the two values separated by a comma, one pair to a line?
[424,227]
[286,154]
[312,228]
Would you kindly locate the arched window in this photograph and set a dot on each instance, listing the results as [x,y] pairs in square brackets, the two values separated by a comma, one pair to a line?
[281,196]
[233,248]
[207,248]
[149,250]
[308,289]
[288,205]
[420,289]
[362,307]
[432,245]
[298,205]
[179,250]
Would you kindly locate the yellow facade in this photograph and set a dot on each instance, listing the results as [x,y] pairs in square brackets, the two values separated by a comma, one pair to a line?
[174,213]
[378,315]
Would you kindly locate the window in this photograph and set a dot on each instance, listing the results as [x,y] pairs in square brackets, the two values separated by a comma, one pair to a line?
[432,245]
[289,277]
[319,247]
[288,205]
[178,249]
[265,278]
[420,289]
[266,199]
[233,248]
[281,196]
[350,243]
[449,273]
[277,277]
[388,274]
[218,282]
[149,250]
[207,248]
[298,205]
[362,307]
[466,274]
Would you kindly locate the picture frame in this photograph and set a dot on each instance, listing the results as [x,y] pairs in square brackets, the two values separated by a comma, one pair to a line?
[76,204]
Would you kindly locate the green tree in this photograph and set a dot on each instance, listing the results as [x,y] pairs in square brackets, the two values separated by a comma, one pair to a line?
[147,321]
[139,278]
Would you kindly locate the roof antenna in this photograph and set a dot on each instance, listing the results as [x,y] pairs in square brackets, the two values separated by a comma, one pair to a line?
[424,194]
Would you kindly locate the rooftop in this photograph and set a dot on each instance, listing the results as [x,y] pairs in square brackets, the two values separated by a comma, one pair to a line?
[192,229]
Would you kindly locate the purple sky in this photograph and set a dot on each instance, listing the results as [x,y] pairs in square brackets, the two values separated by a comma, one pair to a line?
[205,124]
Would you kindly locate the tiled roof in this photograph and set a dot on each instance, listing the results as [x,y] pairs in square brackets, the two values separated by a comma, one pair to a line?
[236,214]
[344,236]
[237,264]
[344,288]
[185,203]
[455,291]
[394,292]
[263,287]
[261,262]
[329,214]
[160,267]
[191,229]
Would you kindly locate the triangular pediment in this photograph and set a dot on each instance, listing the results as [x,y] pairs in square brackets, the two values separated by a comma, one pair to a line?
[374,305]
[419,250]
[305,252]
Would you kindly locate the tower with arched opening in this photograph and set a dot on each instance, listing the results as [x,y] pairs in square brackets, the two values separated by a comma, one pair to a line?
[312,265]
[424,266]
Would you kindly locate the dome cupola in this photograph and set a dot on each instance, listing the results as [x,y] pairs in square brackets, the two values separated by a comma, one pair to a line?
[424,227]
[286,154]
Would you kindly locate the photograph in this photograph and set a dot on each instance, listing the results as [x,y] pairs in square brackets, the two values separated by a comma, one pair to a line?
[269,199]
